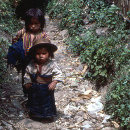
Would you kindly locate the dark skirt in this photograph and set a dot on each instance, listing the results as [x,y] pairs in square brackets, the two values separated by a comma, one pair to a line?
[41,101]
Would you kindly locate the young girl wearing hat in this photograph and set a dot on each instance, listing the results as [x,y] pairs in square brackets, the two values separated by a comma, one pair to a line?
[41,76]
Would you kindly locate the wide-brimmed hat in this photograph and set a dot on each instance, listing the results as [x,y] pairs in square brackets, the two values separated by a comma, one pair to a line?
[42,42]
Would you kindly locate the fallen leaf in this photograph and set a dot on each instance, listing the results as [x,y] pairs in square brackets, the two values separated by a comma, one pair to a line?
[84,70]
[85,96]
[116,125]
[75,99]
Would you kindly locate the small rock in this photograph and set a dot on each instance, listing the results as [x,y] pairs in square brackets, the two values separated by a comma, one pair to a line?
[93,120]
[102,31]
[81,102]
[21,114]
[86,124]
[16,104]
[106,118]
[12,110]
[68,74]
[80,113]
[96,106]
[7,125]
[108,128]
[93,115]
[116,125]
[80,67]
[64,33]
[78,119]
[86,21]
[1,128]
[58,37]
[74,84]
[11,115]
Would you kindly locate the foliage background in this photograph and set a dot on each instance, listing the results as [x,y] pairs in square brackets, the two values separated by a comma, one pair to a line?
[8,26]
[106,54]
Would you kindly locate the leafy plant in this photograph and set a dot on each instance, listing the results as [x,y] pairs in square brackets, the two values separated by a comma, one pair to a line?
[3,52]
[70,13]
[54,9]
[108,17]
[8,23]
[75,44]
[103,54]
[106,54]
[117,99]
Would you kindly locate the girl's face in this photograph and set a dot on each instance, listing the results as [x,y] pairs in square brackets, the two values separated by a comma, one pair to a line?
[42,55]
[34,25]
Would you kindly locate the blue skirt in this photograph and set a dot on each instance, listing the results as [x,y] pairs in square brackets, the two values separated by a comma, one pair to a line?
[41,101]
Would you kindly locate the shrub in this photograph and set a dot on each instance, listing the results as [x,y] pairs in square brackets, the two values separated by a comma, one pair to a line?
[55,9]
[7,17]
[117,99]
[107,17]
[70,14]
[3,65]
[75,45]
[105,55]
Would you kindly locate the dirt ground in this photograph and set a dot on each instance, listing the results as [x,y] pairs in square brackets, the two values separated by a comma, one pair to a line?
[79,106]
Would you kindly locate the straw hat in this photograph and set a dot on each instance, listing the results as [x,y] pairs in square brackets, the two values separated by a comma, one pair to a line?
[43,42]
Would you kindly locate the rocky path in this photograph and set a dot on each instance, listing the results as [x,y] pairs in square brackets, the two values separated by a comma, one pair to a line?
[79,106]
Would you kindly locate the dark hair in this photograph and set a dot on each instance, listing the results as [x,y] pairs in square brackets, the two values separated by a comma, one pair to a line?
[51,53]
[34,13]
[24,5]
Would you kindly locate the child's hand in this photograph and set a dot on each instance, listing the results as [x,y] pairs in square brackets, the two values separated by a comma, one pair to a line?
[14,40]
[52,85]
[28,85]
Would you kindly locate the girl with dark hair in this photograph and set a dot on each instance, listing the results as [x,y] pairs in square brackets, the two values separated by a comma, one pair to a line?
[33,30]
[24,5]
[34,24]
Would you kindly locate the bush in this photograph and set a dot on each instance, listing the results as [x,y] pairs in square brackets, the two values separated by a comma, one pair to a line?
[117,100]
[3,65]
[8,23]
[70,14]
[106,54]
[103,54]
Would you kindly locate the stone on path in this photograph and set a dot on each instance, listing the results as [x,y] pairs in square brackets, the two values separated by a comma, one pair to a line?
[28,124]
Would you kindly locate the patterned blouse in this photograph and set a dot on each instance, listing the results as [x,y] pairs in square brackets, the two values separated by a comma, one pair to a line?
[44,74]
[29,38]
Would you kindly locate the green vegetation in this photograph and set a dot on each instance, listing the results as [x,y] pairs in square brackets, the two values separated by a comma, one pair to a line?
[70,13]
[9,25]
[3,65]
[105,53]
[8,22]
[117,100]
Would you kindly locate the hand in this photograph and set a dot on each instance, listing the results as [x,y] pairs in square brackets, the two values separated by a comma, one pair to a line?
[52,85]
[14,40]
[28,85]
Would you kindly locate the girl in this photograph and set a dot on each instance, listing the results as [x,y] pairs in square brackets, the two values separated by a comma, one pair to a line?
[17,54]
[41,76]
[34,24]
